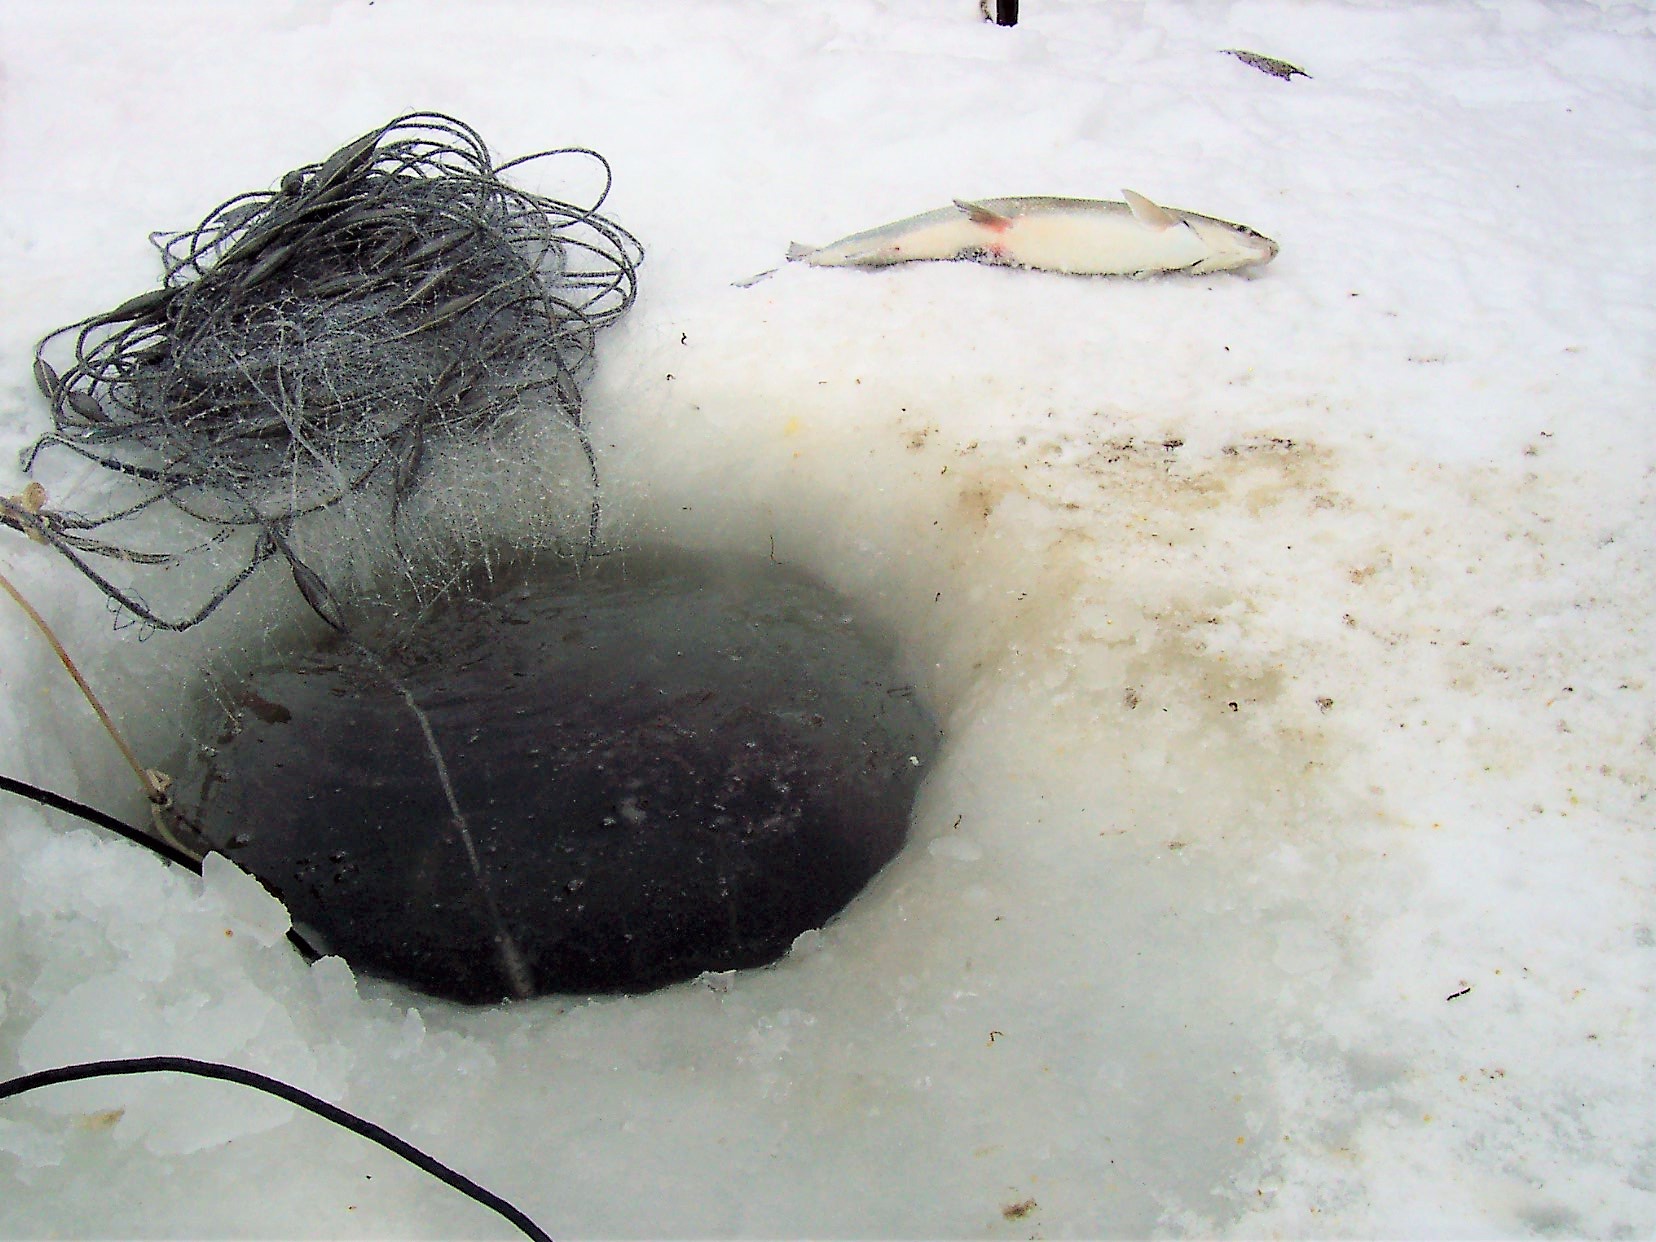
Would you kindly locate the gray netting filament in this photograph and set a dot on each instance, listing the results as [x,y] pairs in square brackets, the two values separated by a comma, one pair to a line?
[314,341]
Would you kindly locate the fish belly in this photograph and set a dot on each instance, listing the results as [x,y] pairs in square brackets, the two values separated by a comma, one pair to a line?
[1097,244]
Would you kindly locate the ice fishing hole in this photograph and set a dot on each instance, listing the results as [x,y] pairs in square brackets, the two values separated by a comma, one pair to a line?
[665,764]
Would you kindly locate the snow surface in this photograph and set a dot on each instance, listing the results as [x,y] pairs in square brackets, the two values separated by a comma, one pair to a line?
[1288,868]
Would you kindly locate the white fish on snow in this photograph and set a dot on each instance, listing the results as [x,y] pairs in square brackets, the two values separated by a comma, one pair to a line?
[1080,236]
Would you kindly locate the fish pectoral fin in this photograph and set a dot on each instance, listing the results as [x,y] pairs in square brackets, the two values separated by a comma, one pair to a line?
[979,214]
[798,251]
[1147,213]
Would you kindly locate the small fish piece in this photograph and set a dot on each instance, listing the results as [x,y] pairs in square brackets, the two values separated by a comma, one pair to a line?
[46,379]
[1266,64]
[1079,236]
[87,406]
[145,305]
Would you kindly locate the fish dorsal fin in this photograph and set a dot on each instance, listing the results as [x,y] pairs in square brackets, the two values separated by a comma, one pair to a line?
[1147,213]
[979,214]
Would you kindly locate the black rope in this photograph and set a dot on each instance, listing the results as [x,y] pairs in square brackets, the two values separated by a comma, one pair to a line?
[174,855]
[92,815]
[293,1095]
[230,1073]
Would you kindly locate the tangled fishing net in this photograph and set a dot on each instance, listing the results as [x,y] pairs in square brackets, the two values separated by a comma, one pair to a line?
[312,342]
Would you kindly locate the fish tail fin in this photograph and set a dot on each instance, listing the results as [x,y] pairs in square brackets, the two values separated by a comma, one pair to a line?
[798,251]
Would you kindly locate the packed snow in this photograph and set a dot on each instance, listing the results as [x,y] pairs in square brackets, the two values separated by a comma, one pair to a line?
[1288,866]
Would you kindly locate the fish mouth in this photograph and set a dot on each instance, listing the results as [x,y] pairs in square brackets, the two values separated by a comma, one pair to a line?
[1261,247]
[1254,247]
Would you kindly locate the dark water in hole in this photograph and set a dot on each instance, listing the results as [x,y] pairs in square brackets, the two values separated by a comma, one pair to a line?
[666,766]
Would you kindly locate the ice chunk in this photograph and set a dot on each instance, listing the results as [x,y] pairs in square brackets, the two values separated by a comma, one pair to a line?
[1303,948]
[33,1147]
[956,849]
[112,1016]
[247,905]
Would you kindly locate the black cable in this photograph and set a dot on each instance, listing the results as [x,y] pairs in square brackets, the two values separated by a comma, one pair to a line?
[231,1073]
[92,815]
[293,1095]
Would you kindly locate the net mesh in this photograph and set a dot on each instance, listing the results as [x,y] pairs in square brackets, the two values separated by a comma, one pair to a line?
[311,343]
